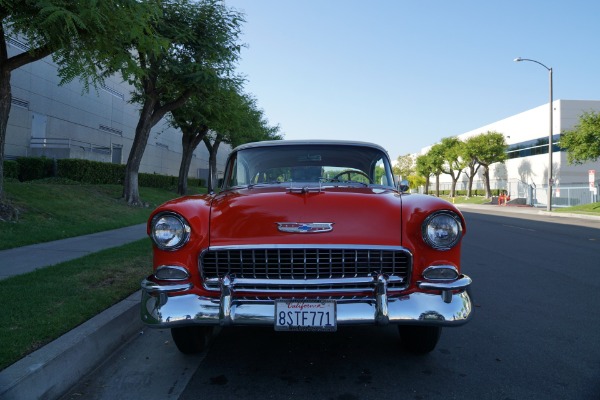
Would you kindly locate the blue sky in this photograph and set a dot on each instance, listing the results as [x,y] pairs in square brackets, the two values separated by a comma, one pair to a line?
[405,74]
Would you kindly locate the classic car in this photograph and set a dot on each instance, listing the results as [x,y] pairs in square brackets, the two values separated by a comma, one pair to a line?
[307,236]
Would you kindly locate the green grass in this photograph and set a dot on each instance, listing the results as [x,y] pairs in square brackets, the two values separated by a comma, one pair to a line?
[590,209]
[42,305]
[56,211]
[466,200]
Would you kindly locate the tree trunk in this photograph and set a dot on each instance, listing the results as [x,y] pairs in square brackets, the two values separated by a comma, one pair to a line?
[7,65]
[437,185]
[184,167]
[5,104]
[486,180]
[212,161]
[189,142]
[470,187]
[453,187]
[131,191]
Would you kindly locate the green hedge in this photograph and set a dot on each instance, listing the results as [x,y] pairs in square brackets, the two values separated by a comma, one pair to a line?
[11,169]
[32,168]
[84,171]
[91,172]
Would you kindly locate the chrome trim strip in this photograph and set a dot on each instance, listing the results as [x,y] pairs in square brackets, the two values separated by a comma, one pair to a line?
[316,291]
[308,246]
[154,288]
[237,282]
[459,284]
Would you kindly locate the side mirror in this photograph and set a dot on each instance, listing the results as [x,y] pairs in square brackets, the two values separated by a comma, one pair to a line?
[403,186]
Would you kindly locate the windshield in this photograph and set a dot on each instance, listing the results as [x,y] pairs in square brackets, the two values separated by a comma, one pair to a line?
[333,164]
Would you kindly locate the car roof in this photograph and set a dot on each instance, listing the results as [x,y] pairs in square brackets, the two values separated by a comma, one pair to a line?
[273,143]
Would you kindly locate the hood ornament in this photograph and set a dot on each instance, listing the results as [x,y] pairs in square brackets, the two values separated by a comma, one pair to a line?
[305,227]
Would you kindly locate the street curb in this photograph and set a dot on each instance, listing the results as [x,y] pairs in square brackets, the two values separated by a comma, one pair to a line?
[52,370]
[569,215]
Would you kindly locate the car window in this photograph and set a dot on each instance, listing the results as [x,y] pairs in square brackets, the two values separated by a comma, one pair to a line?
[309,164]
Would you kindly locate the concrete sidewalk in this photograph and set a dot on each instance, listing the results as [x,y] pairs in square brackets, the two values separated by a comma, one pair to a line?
[523,210]
[29,258]
[50,371]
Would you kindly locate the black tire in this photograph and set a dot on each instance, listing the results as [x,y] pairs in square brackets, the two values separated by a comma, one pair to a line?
[419,339]
[191,339]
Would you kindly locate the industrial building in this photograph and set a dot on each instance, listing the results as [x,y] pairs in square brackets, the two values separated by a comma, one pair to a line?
[65,121]
[525,173]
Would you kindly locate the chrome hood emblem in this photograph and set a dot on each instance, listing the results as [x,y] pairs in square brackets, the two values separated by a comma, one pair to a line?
[305,227]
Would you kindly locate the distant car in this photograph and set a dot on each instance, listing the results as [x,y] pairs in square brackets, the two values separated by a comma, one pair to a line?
[307,236]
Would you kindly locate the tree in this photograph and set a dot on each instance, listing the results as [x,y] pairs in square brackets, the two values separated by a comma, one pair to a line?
[488,148]
[248,125]
[201,45]
[583,141]
[454,163]
[77,33]
[469,154]
[424,167]
[405,166]
[436,158]
[208,109]
[406,169]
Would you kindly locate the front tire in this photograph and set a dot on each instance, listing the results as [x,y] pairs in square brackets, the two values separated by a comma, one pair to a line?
[191,339]
[419,339]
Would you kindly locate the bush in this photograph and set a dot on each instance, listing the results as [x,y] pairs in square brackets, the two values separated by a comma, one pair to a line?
[33,168]
[85,171]
[11,169]
[92,172]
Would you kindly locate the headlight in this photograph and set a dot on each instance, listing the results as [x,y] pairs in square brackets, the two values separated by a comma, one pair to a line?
[169,231]
[442,230]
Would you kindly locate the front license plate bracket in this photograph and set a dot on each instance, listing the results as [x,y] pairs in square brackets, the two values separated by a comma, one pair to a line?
[306,315]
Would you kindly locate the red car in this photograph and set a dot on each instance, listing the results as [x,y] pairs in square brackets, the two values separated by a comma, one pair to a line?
[307,236]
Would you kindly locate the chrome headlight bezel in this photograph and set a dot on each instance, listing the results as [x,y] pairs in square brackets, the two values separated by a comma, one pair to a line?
[442,230]
[169,231]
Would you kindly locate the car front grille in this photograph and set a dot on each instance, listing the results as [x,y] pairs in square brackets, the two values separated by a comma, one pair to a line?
[302,268]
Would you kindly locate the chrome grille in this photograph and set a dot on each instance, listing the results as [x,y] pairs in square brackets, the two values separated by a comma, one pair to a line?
[302,268]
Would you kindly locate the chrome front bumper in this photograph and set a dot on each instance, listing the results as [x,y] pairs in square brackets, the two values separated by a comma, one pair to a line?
[449,308]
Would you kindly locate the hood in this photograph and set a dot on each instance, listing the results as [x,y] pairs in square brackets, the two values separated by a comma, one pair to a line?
[369,216]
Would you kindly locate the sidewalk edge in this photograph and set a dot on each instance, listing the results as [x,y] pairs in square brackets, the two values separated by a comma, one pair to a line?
[50,371]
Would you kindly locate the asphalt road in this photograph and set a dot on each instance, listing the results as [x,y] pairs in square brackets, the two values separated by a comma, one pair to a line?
[535,334]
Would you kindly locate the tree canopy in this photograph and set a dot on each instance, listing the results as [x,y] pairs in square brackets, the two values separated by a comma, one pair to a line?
[200,46]
[583,141]
[79,34]
[486,149]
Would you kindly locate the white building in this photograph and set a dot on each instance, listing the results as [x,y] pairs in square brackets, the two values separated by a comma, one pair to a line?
[65,122]
[525,173]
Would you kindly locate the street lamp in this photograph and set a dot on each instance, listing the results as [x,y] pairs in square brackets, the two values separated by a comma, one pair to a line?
[549,207]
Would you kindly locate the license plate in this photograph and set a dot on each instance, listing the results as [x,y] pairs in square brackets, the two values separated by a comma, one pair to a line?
[318,315]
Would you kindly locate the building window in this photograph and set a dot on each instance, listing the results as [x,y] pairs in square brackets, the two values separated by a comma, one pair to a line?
[533,147]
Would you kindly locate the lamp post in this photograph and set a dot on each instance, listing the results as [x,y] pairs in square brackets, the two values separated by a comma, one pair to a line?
[549,206]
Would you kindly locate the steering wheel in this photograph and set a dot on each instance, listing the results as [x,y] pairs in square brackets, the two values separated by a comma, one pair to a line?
[349,172]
